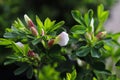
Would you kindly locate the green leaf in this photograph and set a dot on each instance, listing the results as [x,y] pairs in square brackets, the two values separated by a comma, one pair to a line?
[30,72]
[104,16]
[21,69]
[18,49]
[68,76]
[99,44]
[100,9]
[40,25]
[5,41]
[88,16]
[83,51]
[118,63]
[36,41]
[78,29]
[56,26]
[48,24]
[9,35]
[9,62]
[78,17]
[39,22]
[95,53]
[71,76]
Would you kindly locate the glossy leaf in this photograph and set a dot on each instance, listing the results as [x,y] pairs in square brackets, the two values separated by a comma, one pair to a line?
[78,17]
[95,53]
[78,29]
[83,51]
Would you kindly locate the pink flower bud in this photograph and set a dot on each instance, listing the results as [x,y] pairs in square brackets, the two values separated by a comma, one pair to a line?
[29,21]
[50,42]
[31,25]
[43,33]
[34,31]
[101,35]
[62,39]
[31,53]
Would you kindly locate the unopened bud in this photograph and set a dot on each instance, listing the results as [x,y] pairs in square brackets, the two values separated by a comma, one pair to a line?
[42,33]
[34,31]
[92,24]
[31,53]
[88,36]
[19,44]
[101,35]
[80,62]
[29,21]
[50,42]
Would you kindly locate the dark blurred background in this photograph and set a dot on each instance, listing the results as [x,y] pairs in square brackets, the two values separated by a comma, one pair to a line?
[54,9]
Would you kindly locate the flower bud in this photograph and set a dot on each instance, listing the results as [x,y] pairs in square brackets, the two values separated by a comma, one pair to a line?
[88,36]
[62,39]
[50,42]
[80,62]
[19,44]
[34,31]
[31,53]
[28,21]
[92,24]
[31,25]
[42,33]
[101,35]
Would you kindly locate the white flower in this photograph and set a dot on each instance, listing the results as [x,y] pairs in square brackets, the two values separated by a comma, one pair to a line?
[19,44]
[62,39]
[92,24]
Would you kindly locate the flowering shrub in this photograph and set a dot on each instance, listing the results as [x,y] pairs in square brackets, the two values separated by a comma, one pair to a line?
[47,51]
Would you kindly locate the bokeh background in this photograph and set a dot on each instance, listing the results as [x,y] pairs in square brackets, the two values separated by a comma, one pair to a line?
[54,9]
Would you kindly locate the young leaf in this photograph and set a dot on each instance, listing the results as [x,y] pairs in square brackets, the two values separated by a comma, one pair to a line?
[100,10]
[71,76]
[48,24]
[40,25]
[56,26]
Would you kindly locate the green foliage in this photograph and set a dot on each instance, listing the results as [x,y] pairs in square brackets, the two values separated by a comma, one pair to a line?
[71,76]
[42,50]
[49,73]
